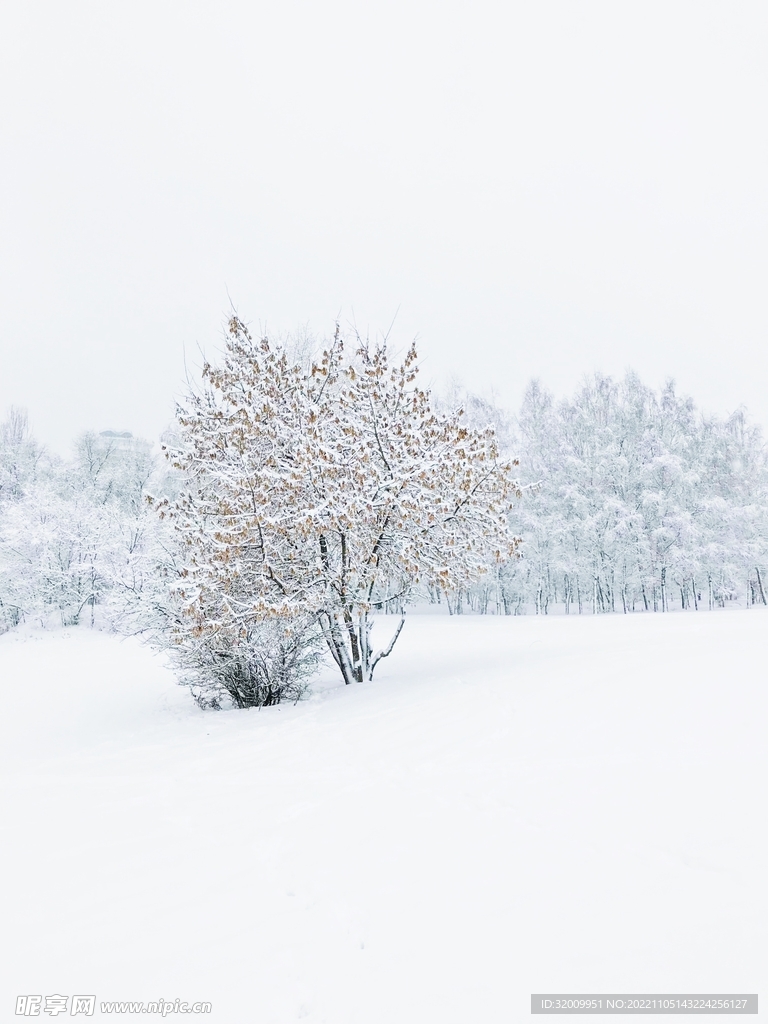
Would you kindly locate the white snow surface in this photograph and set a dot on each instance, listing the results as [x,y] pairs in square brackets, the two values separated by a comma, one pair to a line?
[514,805]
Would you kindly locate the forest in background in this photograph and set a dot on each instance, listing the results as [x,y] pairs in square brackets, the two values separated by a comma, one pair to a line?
[633,500]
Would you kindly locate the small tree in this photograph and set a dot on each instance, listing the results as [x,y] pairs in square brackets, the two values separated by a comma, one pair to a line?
[321,491]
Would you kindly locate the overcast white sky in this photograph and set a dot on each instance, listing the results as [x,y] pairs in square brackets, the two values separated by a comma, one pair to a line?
[540,188]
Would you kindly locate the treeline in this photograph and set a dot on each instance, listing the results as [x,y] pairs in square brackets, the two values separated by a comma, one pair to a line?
[632,501]
[77,537]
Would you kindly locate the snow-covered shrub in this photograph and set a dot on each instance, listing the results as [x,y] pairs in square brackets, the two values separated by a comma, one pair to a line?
[268,663]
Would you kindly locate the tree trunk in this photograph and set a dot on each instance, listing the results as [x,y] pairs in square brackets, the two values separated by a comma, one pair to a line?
[334,637]
[350,644]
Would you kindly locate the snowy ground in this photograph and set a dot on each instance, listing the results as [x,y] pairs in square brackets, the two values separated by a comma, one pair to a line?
[516,805]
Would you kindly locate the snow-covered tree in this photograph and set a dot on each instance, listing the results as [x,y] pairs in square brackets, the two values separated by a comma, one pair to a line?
[322,490]
[20,455]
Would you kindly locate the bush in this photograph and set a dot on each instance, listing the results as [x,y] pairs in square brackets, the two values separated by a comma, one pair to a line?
[269,664]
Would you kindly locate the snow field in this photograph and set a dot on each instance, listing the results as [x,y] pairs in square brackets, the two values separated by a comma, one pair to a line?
[513,805]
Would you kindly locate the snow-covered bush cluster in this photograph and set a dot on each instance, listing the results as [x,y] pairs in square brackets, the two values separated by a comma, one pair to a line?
[301,492]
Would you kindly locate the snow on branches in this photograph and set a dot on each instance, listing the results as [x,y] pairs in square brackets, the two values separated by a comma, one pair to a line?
[322,490]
